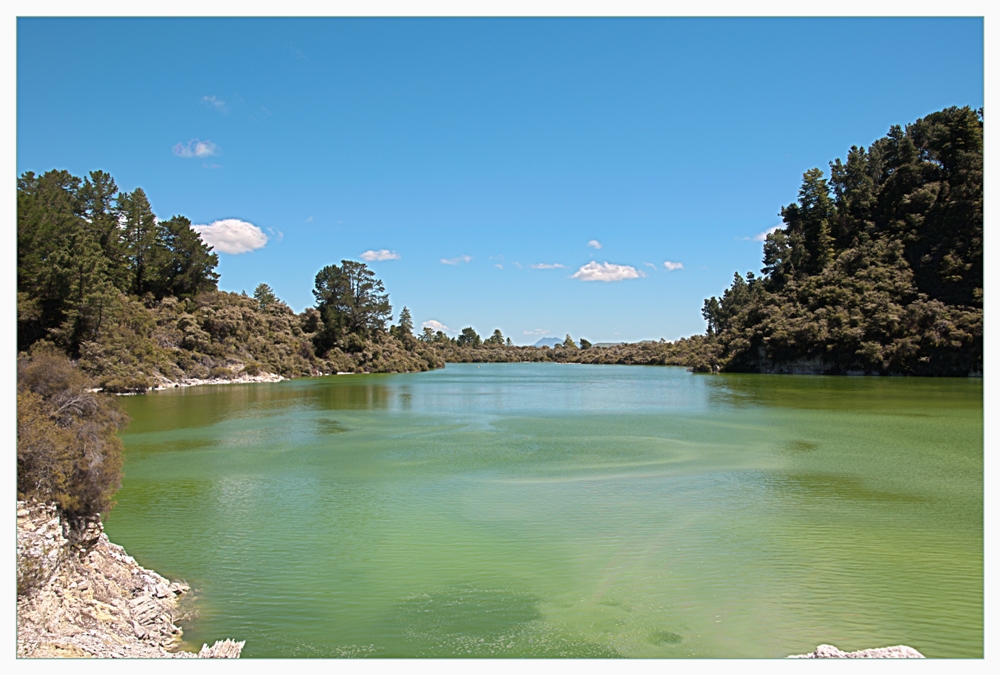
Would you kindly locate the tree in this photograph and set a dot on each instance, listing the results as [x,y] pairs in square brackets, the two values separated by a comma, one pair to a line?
[585,344]
[427,335]
[139,232]
[97,201]
[495,340]
[351,302]
[469,338]
[568,342]
[185,265]
[405,322]
[264,295]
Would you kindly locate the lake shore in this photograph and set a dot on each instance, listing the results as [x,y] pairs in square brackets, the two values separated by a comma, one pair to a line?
[81,596]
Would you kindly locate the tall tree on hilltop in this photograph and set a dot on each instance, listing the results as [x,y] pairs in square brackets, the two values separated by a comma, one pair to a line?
[469,338]
[264,295]
[351,301]
[184,264]
[140,236]
[808,224]
[97,197]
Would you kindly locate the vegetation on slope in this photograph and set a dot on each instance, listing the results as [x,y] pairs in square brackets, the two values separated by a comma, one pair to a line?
[68,451]
[133,299]
[878,270]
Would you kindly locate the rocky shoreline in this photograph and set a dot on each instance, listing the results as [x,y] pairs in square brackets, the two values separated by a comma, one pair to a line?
[79,595]
[831,652]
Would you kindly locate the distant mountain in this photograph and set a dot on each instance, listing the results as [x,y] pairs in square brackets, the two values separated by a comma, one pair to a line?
[548,342]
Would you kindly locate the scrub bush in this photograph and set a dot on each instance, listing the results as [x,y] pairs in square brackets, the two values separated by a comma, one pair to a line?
[68,451]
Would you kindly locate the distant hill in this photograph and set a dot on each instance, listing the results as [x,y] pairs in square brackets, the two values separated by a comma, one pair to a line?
[548,342]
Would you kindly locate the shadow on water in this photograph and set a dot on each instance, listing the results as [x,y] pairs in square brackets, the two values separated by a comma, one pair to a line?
[324,427]
[886,395]
[824,486]
[465,621]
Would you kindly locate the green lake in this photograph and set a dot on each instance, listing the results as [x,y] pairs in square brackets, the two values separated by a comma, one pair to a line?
[555,510]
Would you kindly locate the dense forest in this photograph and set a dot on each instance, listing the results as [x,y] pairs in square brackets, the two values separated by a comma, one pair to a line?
[878,269]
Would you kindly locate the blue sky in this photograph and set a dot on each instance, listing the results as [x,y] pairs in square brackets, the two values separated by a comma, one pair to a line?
[532,175]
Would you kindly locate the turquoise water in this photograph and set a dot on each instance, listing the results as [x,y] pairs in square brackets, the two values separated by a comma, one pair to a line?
[557,510]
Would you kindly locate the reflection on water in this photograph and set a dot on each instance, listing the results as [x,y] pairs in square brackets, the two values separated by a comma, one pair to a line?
[549,510]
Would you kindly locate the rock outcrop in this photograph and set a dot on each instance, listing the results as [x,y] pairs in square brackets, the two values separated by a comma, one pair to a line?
[79,595]
[831,652]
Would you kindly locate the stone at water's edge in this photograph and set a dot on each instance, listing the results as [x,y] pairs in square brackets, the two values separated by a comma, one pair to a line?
[79,595]
[831,652]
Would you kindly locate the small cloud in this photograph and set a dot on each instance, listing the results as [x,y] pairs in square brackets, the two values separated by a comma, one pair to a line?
[649,265]
[436,326]
[595,271]
[276,233]
[215,103]
[232,236]
[381,254]
[499,266]
[308,220]
[196,148]
[546,266]
[593,243]
[763,235]
[518,265]
[673,265]
[456,261]
[537,331]
[211,166]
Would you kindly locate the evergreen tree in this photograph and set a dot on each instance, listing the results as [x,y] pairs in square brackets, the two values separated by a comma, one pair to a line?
[351,301]
[184,264]
[264,295]
[469,338]
[139,233]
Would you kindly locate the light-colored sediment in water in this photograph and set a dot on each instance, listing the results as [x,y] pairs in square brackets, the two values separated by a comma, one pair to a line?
[238,379]
[79,595]
[831,652]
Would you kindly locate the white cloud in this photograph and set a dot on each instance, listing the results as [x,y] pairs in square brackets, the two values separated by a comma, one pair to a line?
[215,103]
[546,266]
[196,148]
[276,233]
[499,266]
[649,265]
[381,254]
[763,235]
[308,220]
[436,326]
[673,265]
[595,271]
[537,331]
[232,236]
[593,243]
[518,265]
[455,261]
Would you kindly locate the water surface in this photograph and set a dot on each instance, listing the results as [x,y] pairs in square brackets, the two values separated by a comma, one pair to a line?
[564,510]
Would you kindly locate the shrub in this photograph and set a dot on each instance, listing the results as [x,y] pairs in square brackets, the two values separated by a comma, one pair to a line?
[68,451]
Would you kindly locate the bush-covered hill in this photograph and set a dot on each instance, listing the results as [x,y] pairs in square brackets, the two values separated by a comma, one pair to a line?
[133,299]
[877,270]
